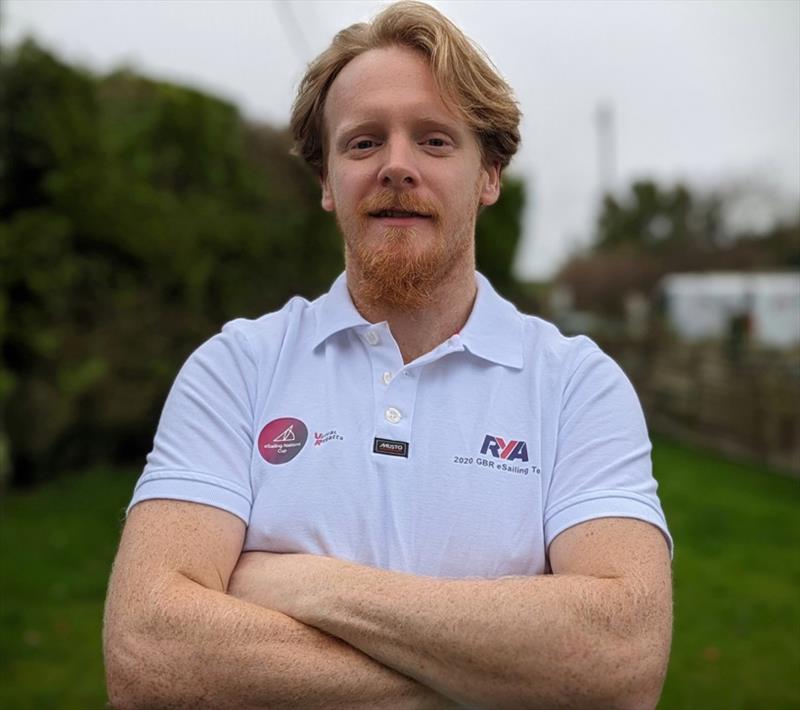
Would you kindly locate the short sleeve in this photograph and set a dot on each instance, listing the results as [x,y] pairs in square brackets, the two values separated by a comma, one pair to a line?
[202,447]
[602,464]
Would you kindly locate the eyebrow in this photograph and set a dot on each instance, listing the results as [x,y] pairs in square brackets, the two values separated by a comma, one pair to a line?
[354,128]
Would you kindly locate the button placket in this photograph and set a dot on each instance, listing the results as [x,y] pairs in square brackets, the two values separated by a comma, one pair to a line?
[394,395]
[393,415]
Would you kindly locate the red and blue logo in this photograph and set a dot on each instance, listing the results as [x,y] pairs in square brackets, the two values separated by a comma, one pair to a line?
[282,439]
[507,450]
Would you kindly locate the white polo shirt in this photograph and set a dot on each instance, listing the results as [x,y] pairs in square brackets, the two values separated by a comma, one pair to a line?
[467,461]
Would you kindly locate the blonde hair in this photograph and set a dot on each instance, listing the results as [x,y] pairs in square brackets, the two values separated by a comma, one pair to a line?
[463,73]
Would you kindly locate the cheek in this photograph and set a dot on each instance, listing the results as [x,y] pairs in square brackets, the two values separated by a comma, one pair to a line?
[346,190]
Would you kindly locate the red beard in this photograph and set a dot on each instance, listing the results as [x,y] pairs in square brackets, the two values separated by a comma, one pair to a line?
[398,273]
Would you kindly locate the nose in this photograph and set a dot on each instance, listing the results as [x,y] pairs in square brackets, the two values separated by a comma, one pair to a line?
[400,170]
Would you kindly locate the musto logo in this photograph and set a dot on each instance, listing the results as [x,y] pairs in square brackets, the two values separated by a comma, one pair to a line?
[281,440]
[507,450]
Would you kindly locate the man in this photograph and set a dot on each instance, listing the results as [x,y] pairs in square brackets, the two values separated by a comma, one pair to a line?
[474,522]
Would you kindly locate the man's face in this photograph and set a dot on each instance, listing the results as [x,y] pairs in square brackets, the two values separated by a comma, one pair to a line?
[404,176]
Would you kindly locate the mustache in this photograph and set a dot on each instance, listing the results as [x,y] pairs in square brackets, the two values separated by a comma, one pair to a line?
[400,201]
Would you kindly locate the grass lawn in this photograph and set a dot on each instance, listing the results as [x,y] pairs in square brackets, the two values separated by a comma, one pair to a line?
[737,582]
[56,545]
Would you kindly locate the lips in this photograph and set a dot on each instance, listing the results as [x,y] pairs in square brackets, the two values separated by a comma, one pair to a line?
[398,214]
[399,209]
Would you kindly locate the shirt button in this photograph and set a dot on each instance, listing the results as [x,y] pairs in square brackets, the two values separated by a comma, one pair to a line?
[393,415]
[387,378]
[372,337]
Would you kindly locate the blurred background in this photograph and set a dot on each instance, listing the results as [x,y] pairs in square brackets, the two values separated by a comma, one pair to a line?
[147,196]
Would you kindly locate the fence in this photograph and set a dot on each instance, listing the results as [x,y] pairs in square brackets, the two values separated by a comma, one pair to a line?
[732,397]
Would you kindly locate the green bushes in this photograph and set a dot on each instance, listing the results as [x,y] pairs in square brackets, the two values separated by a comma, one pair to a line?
[138,217]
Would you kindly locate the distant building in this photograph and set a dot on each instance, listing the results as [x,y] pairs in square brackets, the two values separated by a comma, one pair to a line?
[762,307]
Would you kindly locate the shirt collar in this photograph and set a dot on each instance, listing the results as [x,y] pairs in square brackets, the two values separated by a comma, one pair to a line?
[493,330]
[336,312]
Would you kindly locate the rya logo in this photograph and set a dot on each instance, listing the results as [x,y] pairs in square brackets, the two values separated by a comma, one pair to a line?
[507,450]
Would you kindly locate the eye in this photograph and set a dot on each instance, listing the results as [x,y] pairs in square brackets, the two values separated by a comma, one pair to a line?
[438,144]
[363,144]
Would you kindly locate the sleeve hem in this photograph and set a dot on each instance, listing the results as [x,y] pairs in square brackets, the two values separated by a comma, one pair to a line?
[193,487]
[604,504]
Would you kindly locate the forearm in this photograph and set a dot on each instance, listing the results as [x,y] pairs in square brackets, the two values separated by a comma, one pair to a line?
[187,646]
[547,641]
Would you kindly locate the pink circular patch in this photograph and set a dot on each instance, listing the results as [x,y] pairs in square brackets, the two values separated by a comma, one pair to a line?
[282,439]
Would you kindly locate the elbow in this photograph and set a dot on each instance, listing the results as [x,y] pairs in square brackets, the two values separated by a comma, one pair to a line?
[632,667]
[622,677]
[644,690]
[119,663]
[133,680]
[641,691]
[633,677]
[145,664]
[619,674]
[122,656]
[122,695]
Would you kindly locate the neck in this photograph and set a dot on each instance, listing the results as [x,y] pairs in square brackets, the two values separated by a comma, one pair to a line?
[420,331]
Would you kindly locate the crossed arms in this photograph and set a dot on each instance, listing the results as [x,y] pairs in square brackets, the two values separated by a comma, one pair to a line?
[186,626]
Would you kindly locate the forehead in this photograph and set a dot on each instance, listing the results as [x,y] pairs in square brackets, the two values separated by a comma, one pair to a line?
[386,83]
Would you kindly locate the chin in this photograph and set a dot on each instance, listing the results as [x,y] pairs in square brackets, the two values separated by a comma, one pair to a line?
[398,274]
[403,295]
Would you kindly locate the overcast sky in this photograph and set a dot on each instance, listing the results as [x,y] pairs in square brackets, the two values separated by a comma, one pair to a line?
[707,92]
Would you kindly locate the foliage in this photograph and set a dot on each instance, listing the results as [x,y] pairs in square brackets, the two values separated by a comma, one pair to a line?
[656,218]
[137,217]
[136,220]
[497,234]
[736,573]
[654,230]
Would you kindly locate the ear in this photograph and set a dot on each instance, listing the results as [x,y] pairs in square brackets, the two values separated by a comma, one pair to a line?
[490,192]
[327,195]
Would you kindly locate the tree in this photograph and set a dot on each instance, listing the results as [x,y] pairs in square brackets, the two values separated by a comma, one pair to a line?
[497,236]
[137,217]
[654,230]
[659,219]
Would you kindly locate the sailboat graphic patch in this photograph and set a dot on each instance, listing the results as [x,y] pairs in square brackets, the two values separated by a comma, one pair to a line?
[282,439]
